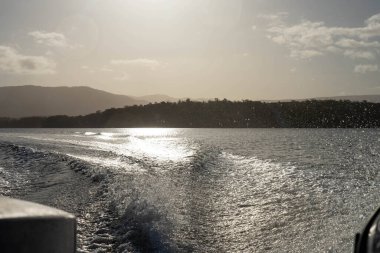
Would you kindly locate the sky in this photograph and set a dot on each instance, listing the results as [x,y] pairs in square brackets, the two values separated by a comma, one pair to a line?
[235,49]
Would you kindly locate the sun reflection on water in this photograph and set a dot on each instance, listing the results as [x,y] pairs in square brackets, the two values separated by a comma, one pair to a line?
[152,132]
[158,143]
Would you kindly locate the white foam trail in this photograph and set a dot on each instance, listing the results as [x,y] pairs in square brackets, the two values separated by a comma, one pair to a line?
[90,133]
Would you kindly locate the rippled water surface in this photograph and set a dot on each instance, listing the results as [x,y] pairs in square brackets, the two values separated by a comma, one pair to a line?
[200,190]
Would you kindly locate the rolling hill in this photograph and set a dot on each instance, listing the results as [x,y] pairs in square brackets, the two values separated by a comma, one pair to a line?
[29,100]
[26,101]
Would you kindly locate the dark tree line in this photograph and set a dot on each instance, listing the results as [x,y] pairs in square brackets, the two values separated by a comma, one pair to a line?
[219,114]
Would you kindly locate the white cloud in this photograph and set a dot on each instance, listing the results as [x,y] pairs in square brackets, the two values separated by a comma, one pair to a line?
[350,43]
[362,69]
[274,18]
[51,39]
[106,69]
[309,39]
[12,61]
[359,54]
[334,49]
[373,27]
[123,77]
[141,62]
[87,69]
[304,54]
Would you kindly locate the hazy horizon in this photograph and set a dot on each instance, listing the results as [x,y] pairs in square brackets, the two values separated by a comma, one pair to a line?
[259,50]
[158,96]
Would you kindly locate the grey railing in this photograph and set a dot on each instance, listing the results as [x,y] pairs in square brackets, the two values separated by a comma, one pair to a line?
[30,227]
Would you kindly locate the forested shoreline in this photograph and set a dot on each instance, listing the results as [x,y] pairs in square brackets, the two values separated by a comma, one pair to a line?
[218,114]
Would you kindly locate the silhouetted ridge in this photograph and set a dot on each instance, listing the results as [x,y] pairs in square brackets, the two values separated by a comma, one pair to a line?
[27,101]
[220,113]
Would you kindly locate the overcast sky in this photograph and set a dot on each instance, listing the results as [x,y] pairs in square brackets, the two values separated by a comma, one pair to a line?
[236,49]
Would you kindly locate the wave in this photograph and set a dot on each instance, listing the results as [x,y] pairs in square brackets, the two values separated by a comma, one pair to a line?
[140,203]
[123,219]
[103,134]
[90,133]
[58,180]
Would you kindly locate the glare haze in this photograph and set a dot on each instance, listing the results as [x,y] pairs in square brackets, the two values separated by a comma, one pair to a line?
[241,49]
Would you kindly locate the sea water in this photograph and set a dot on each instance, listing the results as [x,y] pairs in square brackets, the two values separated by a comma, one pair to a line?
[200,190]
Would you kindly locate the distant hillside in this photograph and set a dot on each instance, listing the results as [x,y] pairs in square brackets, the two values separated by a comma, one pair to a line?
[352,98]
[221,114]
[157,98]
[26,101]
[358,98]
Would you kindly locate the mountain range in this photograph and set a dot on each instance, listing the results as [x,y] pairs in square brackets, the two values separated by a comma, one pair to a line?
[29,100]
[26,101]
